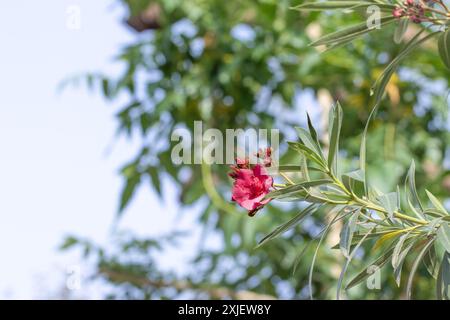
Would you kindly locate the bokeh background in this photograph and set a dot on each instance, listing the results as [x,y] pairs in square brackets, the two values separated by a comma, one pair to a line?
[93,207]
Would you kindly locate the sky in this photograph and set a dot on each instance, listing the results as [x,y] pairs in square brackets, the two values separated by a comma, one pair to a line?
[58,163]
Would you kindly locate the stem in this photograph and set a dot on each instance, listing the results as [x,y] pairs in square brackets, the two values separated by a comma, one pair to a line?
[436,21]
[439,2]
[280,185]
[443,5]
[208,184]
[338,183]
[397,214]
[287,178]
[445,14]
[372,206]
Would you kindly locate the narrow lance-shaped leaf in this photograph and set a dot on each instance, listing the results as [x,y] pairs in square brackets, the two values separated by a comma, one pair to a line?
[444,47]
[389,202]
[430,262]
[436,203]
[307,152]
[351,32]
[362,150]
[401,260]
[354,181]
[347,262]
[386,237]
[334,5]
[415,266]
[335,131]
[364,274]
[292,168]
[311,268]
[296,188]
[378,88]
[443,236]
[346,235]
[411,183]
[401,29]
[335,210]
[397,249]
[308,140]
[155,178]
[290,224]
[443,278]
[414,210]
[128,192]
[311,129]
[304,166]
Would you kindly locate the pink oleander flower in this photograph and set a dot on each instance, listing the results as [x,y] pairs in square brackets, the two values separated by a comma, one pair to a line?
[252,182]
[265,156]
[411,9]
[242,163]
[398,12]
[416,18]
[250,187]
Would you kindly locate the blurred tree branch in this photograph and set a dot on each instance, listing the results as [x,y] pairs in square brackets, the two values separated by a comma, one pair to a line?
[213,291]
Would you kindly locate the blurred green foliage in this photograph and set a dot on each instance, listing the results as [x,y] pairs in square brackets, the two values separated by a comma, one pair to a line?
[247,64]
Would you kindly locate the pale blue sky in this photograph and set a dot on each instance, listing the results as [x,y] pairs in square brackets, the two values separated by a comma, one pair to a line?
[56,176]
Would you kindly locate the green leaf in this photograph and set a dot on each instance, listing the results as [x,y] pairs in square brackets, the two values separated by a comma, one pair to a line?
[415,267]
[363,151]
[432,226]
[364,274]
[389,202]
[443,278]
[351,32]
[304,167]
[307,152]
[444,47]
[400,31]
[309,139]
[354,181]
[386,237]
[333,5]
[300,255]
[381,83]
[397,249]
[290,224]
[400,262]
[156,181]
[312,131]
[411,183]
[292,168]
[346,235]
[296,188]
[128,192]
[430,262]
[338,211]
[443,236]
[436,203]
[68,243]
[347,262]
[106,88]
[434,213]
[335,131]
